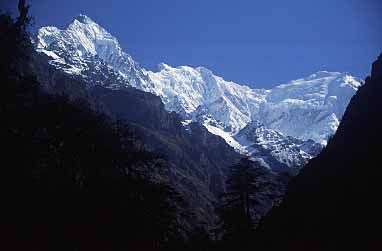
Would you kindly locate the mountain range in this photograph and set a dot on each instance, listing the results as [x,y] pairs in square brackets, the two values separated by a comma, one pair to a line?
[102,154]
[282,127]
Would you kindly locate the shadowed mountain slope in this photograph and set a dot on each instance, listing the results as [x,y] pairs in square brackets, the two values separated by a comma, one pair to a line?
[333,204]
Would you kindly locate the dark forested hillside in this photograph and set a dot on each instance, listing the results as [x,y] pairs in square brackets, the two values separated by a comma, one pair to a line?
[333,204]
[73,178]
[199,159]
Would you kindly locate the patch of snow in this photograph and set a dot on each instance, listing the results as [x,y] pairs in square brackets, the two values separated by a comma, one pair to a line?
[227,137]
[50,54]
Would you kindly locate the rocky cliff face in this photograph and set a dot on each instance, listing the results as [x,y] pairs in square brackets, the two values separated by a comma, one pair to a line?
[275,150]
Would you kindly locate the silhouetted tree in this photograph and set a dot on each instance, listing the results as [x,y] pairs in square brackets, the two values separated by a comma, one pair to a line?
[23,18]
[235,210]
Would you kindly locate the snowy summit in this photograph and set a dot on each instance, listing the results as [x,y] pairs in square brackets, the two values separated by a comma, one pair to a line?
[304,110]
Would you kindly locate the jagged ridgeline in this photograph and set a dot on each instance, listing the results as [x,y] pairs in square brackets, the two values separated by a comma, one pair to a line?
[292,119]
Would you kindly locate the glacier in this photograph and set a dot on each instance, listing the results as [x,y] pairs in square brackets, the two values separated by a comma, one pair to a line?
[287,120]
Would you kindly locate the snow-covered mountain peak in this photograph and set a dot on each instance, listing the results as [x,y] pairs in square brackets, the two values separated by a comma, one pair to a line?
[189,90]
[204,70]
[322,74]
[83,19]
[315,104]
[84,35]
[93,38]
[306,109]
[163,67]
[83,46]
[318,87]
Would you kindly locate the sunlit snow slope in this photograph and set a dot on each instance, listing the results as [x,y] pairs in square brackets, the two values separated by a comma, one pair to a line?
[304,110]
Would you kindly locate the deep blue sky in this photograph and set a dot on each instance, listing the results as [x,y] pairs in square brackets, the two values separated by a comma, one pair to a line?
[260,43]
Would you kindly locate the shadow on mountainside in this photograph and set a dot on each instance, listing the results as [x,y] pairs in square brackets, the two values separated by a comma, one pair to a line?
[333,204]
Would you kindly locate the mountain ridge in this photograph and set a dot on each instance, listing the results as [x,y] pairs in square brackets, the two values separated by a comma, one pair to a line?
[331,204]
[307,108]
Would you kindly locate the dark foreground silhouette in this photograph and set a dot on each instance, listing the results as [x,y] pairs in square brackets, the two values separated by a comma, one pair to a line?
[71,178]
[75,179]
